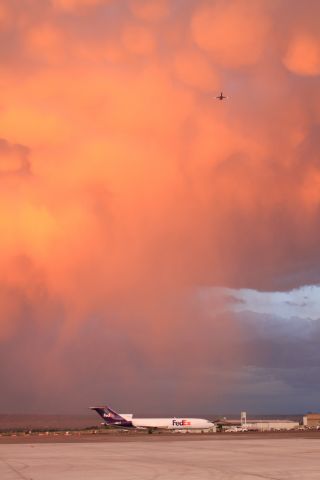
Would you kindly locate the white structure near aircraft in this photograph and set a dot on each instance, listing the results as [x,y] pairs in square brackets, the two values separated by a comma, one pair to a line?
[261,425]
[124,420]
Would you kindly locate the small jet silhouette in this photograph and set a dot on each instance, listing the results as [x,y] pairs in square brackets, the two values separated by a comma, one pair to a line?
[221,96]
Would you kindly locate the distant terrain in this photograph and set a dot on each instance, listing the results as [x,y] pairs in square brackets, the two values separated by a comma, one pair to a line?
[72,422]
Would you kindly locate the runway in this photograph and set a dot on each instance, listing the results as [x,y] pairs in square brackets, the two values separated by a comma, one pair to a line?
[276,459]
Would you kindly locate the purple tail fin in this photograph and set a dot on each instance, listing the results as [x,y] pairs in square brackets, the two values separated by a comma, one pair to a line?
[111,417]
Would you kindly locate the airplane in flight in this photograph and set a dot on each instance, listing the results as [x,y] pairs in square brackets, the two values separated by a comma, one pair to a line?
[114,419]
[221,97]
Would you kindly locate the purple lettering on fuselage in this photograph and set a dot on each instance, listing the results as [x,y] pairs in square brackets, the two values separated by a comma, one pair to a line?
[180,423]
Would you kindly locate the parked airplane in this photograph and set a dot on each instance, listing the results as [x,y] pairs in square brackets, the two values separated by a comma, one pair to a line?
[122,420]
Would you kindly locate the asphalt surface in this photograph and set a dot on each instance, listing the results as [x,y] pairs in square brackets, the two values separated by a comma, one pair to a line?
[143,436]
[276,457]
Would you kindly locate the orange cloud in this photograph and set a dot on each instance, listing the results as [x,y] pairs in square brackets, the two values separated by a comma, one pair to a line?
[13,159]
[303,55]
[233,33]
[73,5]
[47,43]
[126,187]
[138,40]
[150,10]
[194,69]
[5,15]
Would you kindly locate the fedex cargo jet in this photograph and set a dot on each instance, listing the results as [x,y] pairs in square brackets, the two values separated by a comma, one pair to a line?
[123,420]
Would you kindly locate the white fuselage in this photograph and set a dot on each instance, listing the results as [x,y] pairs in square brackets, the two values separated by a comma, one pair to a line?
[173,423]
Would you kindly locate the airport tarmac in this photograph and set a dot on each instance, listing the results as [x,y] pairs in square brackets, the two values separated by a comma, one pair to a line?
[255,458]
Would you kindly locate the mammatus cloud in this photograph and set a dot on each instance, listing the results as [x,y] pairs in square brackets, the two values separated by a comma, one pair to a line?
[151,11]
[234,34]
[144,189]
[74,5]
[303,55]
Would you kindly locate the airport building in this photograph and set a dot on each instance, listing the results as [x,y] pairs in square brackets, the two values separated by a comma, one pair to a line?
[261,425]
[269,425]
[312,420]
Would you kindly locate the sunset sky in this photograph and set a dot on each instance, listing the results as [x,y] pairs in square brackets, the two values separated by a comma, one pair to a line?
[159,249]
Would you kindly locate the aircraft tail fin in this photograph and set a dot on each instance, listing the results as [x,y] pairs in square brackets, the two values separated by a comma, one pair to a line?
[112,418]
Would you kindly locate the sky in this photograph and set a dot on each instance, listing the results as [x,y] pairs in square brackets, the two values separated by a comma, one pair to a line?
[159,249]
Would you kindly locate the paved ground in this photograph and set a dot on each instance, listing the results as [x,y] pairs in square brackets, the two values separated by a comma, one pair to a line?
[270,458]
[142,436]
